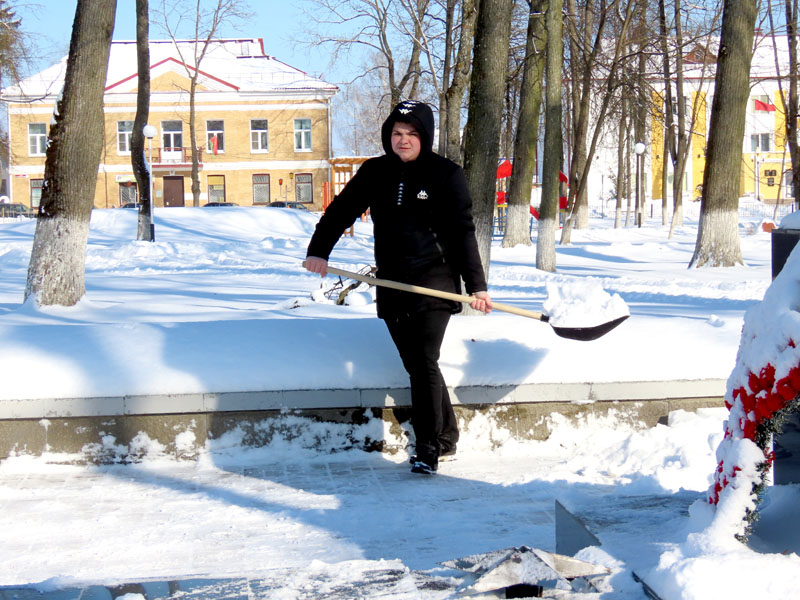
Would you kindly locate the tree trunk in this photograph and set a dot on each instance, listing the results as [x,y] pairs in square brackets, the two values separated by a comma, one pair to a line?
[139,162]
[792,109]
[75,143]
[193,137]
[450,9]
[481,148]
[552,159]
[622,136]
[461,72]
[518,217]
[718,234]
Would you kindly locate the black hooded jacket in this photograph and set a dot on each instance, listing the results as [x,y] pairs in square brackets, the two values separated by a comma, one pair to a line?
[422,216]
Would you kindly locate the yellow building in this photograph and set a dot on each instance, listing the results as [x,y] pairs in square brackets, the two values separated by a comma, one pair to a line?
[263,127]
[766,171]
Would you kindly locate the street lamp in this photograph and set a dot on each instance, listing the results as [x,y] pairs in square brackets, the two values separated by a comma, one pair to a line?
[150,131]
[639,150]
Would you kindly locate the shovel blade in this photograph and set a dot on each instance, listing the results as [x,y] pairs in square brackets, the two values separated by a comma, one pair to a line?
[587,334]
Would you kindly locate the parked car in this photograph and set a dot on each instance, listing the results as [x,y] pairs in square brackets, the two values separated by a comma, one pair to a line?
[284,204]
[15,209]
[131,205]
[220,204]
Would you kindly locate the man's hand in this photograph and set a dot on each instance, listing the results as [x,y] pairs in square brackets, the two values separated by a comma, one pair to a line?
[481,302]
[316,265]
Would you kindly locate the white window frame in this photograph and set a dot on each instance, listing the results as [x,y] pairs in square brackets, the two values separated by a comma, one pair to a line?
[259,138]
[37,141]
[263,183]
[124,138]
[757,140]
[300,183]
[302,135]
[219,132]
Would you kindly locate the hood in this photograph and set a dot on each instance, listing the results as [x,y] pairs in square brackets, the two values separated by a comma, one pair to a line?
[417,114]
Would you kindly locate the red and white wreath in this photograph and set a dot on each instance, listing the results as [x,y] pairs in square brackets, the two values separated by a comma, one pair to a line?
[762,389]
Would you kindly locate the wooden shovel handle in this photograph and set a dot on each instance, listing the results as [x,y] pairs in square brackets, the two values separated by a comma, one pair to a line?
[416,289]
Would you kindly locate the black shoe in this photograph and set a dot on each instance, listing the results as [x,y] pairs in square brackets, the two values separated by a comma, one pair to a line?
[444,456]
[423,468]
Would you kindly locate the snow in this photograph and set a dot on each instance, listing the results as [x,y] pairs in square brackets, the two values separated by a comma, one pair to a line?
[220,303]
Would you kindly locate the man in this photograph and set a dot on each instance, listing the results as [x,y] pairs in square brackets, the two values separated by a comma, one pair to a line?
[424,235]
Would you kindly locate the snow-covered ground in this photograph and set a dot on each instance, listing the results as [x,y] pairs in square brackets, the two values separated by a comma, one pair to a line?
[220,303]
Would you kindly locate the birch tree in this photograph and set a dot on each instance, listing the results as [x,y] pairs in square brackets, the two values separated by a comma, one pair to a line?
[75,143]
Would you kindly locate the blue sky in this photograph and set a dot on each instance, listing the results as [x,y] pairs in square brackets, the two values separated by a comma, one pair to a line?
[274,21]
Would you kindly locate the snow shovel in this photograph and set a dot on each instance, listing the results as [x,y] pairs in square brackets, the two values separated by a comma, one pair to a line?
[583,334]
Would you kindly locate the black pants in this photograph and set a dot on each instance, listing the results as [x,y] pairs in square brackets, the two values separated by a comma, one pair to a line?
[418,338]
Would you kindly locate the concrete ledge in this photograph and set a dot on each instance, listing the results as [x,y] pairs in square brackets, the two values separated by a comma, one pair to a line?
[107,430]
[356,398]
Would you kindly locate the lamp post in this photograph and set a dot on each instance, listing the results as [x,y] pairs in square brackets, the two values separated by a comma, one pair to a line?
[150,131]
[639,150]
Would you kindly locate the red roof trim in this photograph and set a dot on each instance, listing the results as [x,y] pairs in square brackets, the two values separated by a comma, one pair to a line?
[168,59]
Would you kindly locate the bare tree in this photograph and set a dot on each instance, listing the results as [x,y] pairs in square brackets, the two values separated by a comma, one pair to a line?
[588,54]
[394,31]
[141,169]
[519,198]
[481,148]
[790,100]
[680,115]
[204,23]
[12,44]
[718,232]
[75,142]
[12,52]
[553,139]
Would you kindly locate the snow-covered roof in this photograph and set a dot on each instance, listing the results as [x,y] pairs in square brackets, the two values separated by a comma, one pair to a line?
[233,64]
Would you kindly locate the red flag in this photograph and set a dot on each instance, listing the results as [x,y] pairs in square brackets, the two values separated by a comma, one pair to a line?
[562,178]
[504,170]
[759,105]
[214,143]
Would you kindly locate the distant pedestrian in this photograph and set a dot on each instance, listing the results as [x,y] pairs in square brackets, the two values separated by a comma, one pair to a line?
[424,235]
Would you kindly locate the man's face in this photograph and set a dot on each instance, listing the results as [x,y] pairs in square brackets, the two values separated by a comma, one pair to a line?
[405,142]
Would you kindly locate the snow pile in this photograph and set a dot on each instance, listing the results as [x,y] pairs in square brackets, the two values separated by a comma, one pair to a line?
[582,303]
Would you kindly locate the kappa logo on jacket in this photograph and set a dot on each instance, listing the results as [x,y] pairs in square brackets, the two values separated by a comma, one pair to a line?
[423,195]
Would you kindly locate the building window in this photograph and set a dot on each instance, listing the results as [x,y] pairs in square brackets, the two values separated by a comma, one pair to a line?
[172,137]
[787,184]
[215,136]
[37,139]
[259,135]
[124,132]
[216,188]
[304,188]
[127,193]
[36,192]
[760,142]
[260,189]
[302,135]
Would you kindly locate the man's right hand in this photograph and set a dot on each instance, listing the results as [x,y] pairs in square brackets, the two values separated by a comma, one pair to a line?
[316,265]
